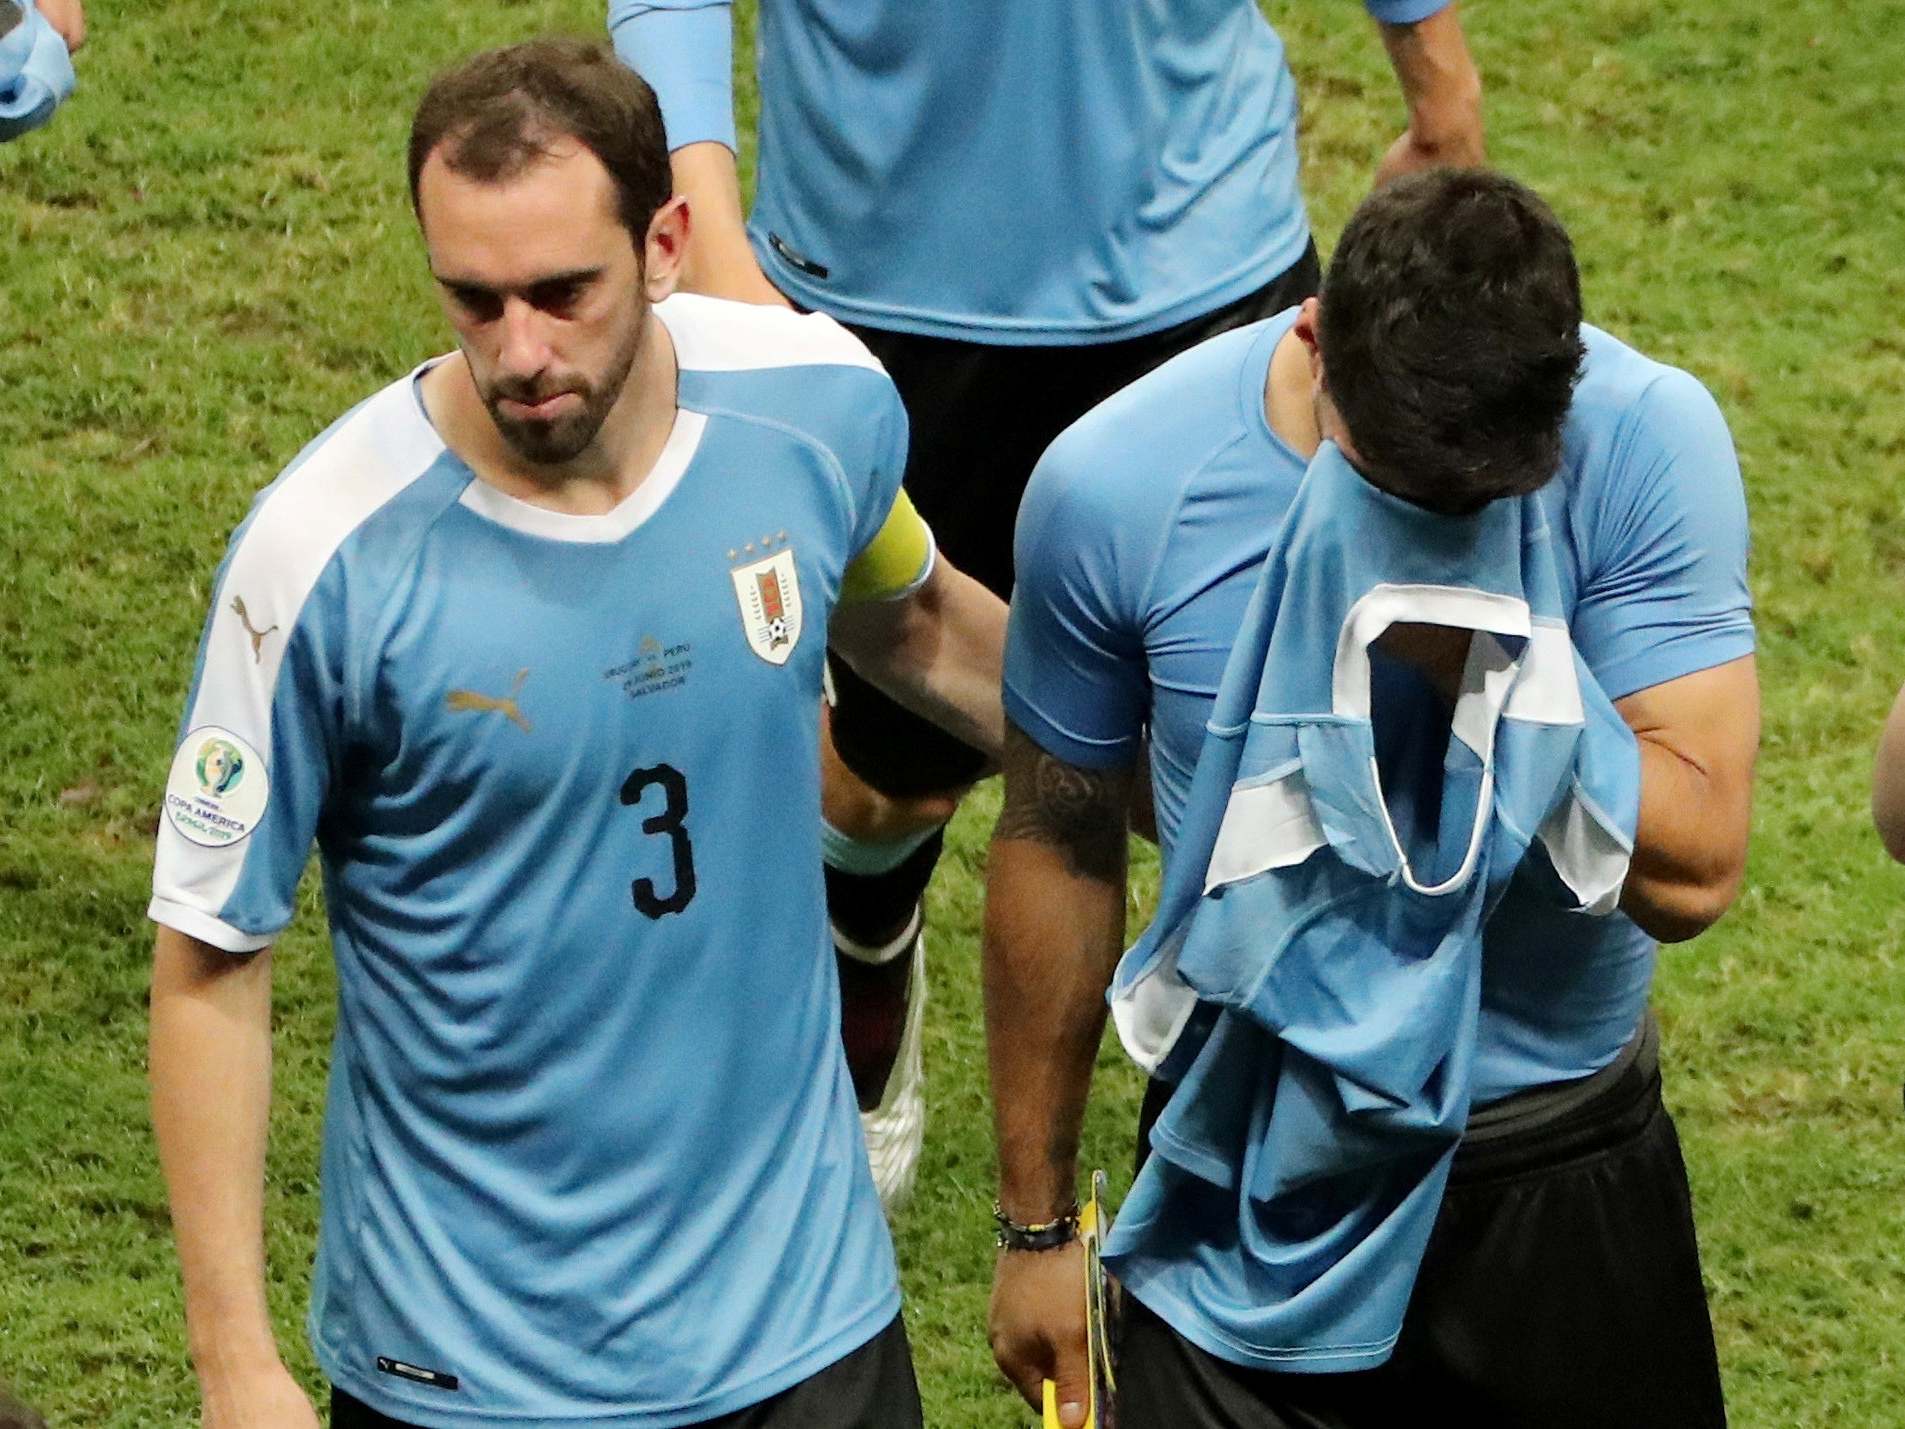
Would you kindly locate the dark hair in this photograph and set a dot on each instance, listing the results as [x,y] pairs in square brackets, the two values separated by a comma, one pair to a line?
[1451,337]
[500,112]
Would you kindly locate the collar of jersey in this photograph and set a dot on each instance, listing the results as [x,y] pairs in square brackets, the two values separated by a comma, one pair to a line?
[684,440]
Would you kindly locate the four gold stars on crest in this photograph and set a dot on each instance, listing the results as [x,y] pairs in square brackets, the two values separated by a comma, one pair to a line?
[766,543]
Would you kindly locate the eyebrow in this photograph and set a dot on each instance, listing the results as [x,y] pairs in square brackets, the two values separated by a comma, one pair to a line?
[541,280]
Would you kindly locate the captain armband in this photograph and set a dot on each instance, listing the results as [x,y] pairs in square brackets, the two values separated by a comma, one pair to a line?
[896,561]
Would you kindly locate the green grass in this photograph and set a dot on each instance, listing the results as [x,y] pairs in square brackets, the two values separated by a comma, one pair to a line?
[209,255]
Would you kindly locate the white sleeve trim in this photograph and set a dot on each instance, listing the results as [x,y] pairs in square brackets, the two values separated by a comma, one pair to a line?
[275,564]
[197,924]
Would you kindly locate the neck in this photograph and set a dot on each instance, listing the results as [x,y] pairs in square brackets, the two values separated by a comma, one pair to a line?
[1287,406]
[595,480]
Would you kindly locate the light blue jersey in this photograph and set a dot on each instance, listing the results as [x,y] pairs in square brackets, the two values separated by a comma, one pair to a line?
[1141,539]
[36,73]
[1036,172]
[1313,972]
[591,1153]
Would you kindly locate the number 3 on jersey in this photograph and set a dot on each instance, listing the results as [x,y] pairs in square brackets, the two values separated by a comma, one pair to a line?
[669,821]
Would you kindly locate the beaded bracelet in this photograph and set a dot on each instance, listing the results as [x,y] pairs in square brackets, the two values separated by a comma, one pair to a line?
[1046,1235]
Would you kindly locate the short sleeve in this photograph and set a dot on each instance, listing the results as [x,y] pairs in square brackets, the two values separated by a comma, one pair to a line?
[1403,12]
[257,752]
[874,489]
[1075,671]
[685,50]
[1664,590]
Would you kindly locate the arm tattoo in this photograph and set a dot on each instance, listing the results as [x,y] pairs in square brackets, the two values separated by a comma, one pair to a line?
[1079,811]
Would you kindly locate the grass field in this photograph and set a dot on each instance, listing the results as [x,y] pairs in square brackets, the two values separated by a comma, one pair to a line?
[208,256]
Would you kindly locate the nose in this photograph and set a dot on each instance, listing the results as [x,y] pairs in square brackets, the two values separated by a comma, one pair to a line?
[525,350]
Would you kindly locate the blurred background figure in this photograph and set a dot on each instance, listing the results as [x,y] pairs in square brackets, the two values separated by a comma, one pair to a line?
[15,1415]
[37,41]
[1888,782]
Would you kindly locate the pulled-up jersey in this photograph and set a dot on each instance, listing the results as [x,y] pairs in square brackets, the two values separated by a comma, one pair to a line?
[591,1154]
[1145,529]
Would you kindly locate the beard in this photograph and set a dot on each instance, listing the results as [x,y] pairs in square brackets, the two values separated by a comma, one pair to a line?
[551,441]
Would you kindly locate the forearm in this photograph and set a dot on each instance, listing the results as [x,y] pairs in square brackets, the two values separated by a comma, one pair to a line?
[1054,926]
[1440,85]
[940,652]
[211,1089]
[1052,940]
[705,172]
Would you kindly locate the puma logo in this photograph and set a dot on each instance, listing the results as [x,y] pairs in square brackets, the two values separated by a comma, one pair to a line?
[504,705]
[257,636]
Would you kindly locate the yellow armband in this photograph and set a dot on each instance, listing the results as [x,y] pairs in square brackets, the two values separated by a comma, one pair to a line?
[895,561]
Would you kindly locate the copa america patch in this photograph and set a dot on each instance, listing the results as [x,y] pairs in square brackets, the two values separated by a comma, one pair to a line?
[218,788]
[769,593]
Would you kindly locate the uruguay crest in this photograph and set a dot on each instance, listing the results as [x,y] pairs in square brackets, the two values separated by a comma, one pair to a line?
[769,593]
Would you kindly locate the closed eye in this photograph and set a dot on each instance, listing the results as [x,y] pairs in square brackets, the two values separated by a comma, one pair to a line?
[477,304]
[559,296]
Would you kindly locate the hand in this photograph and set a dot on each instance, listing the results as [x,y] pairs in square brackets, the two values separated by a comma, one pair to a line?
[1443,90]
[1037,1326]
[266,1398]
[68,19]
[1414,151]
[1454,141]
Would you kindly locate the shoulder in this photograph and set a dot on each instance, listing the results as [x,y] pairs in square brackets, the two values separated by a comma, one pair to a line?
[1636,404]
[1125,465]
[352,476]
[716,335]
[801,372]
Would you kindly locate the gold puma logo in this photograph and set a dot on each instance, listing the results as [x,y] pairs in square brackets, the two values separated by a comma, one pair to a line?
[257,636]
[504,705]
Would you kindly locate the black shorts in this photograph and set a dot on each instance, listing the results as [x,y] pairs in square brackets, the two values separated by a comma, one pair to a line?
[981,418]
[872,1388]
[1561,1290]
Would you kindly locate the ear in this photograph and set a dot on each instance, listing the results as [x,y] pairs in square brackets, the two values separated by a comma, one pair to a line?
[1305,328]
[664,247]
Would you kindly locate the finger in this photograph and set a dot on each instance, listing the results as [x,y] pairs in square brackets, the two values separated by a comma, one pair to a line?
[1073,1380]
[1028,1379]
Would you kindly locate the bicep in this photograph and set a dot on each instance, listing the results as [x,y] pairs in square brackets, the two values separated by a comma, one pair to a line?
[182,963]
[1710,720]
[1075,809]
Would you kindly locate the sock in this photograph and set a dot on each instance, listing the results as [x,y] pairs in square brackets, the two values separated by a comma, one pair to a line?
[874,890]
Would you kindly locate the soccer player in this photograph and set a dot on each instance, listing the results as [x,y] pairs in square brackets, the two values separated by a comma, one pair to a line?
[530,644]
[37,41]
[1562,1283]
[1020,207]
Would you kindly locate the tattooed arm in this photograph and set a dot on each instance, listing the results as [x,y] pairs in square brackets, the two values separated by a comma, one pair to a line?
[1055,892]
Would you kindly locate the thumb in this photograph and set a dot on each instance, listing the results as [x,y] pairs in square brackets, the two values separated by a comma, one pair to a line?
[1070,1393]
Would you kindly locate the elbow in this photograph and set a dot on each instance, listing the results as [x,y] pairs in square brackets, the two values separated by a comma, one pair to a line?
[1888,817]
[1892,835]
[1677,912]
